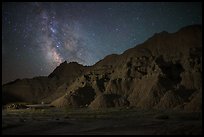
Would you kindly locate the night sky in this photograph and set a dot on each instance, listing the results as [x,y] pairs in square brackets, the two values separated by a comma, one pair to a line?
[37,37]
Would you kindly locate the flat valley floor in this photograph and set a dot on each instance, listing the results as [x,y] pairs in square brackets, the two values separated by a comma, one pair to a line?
[113,121]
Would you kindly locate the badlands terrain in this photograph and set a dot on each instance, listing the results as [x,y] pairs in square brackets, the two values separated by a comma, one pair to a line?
[153,88]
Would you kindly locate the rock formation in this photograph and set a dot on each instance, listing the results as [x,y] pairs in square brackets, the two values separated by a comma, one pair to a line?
[164,72]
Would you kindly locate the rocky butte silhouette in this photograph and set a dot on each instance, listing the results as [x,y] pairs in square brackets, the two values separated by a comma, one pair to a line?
[164,72]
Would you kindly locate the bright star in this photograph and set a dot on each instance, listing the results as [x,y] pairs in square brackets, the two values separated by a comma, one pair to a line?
[53,30]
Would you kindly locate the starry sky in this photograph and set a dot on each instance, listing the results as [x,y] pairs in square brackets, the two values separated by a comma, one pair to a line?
[37,37]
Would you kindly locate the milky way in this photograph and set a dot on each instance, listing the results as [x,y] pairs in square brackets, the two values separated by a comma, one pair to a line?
[59,41]
[37,37]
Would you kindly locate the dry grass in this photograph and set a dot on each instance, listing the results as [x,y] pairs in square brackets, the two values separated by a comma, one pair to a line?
[102,121]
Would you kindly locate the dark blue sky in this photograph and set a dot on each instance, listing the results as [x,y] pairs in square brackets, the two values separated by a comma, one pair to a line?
[37,37]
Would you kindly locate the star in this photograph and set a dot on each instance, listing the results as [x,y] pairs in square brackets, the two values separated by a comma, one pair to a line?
[53,30]
[117,29]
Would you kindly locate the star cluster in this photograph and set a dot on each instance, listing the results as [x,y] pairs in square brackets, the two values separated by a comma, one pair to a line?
[37,37]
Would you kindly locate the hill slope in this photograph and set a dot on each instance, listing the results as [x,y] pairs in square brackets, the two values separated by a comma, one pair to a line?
[165,72]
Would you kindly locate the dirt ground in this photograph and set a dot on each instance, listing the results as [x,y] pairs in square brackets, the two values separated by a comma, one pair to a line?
[55,121]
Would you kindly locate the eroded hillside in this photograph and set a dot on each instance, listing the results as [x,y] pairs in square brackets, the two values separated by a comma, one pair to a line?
[165,72]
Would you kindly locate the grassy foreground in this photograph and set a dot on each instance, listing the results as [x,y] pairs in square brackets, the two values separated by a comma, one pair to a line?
[104,121]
